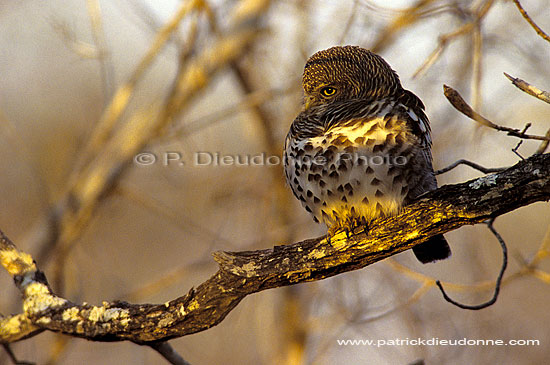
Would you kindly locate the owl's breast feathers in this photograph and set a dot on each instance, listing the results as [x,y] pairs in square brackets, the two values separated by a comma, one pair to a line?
[357,160]
[360,148]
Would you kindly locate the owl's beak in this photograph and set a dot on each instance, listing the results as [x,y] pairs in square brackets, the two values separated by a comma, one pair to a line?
[308,101]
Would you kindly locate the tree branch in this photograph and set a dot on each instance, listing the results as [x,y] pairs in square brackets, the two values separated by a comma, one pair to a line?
[167,351]
[485,170]
[529,89]
[460,104]
[491,301]
[531,22]
[247,272]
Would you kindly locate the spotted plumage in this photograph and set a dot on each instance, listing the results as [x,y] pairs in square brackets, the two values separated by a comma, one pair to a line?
[361,146]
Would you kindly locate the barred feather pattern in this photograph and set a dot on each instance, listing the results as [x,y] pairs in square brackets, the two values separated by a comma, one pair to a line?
[361,164]
[364,153]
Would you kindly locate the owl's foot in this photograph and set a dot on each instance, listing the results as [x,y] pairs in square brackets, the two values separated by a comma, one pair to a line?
[348,228]
[347,232]
[332,232]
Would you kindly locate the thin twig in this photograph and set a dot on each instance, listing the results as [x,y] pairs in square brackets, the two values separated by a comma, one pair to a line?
[94,179]
[243,273]
[168,352]
[67,34]
[220,115]
[499,278]
[515,149]
[531,22]
[474,165]
[123,95]
[477,65]
[103,55]
[458,102]
[544,145]
[59,347]
[349,22]
[293,309]
[97,167]
[406,18]
[13,357]
[444,39]
[529,89]
[425,279]
[543,251]
[419,293]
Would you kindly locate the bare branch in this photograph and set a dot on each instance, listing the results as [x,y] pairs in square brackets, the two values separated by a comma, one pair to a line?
[493,300]
[247,272]
[458,102]
[529,89]
[109,152]
[472,26]
[531,22]
[544,145]
[79,201]
[12,356]
[16,327]
[168,352]
[122,97]
[405,18]
[106,66]
[485,170]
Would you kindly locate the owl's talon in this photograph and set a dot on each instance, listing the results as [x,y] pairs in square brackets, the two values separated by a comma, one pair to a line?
[347,232]
[347,193]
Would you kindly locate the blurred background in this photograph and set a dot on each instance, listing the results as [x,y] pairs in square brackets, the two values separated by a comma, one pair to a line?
[112,114]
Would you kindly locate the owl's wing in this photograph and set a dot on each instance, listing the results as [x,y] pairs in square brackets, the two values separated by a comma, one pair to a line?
[420,126]
[306,125]
[436,248]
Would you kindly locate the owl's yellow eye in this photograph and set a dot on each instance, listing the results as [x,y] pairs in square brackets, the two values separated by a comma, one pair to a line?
[328,91]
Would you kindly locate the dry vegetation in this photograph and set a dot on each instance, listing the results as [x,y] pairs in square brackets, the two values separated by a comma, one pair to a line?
[86,89]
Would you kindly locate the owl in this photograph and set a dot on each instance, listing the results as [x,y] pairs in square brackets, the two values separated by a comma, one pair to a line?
[361,146]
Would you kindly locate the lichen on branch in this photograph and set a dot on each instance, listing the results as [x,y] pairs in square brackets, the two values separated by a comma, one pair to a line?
[247,272]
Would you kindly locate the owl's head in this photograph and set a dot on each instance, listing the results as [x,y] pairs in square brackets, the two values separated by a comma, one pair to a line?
[345,73]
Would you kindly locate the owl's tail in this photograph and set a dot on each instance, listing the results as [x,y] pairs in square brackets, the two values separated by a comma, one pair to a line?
[436,248]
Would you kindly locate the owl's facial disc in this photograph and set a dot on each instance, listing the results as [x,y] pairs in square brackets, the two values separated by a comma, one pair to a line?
[329,80]
[323,94]
[347,73]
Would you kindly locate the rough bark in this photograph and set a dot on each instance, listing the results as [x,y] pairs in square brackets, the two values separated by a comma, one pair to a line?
[247,272]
